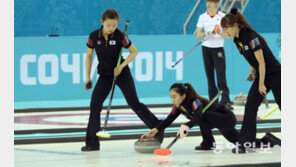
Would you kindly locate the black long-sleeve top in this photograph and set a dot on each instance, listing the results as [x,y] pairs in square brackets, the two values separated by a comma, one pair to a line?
[192,110]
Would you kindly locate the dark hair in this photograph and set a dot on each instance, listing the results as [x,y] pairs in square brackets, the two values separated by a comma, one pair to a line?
[234,16]
[110,14]
[189,91]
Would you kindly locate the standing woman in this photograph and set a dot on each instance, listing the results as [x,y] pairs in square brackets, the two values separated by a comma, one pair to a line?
[265,71]
[107,42]
[213,51]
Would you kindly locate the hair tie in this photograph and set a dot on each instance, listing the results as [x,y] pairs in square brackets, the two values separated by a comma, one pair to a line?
[234,11]
[184,86]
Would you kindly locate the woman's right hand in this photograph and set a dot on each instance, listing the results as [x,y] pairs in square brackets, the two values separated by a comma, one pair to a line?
[151,133]
[251,77]
[87,81]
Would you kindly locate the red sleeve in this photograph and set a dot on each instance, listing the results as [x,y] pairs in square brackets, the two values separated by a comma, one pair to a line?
[126,42]
[174,111]
[90,43]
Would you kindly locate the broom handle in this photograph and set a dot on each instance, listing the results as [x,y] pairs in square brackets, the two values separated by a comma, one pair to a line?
[174,141]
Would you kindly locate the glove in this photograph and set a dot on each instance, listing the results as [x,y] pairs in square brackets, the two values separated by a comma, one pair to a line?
[218,30]
[183,131]
[208,34]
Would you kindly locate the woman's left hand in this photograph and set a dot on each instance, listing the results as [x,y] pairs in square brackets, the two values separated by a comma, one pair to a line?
[119,68]
[262,89]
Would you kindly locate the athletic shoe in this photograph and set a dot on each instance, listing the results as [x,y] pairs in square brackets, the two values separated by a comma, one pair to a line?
[274,139]
[87,148]
[200,148]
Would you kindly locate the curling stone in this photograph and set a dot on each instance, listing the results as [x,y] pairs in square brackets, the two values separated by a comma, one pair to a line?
[146,145]
[240,100]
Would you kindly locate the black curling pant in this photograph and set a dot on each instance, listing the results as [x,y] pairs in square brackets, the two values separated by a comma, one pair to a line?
[248,130]
[224,121]
[103,87]
[214,59]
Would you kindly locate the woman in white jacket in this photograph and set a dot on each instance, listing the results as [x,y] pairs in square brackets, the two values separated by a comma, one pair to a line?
[213,51]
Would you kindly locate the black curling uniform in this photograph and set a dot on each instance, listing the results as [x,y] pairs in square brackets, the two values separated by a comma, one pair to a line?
[247,43]
[107,51]
[216,116]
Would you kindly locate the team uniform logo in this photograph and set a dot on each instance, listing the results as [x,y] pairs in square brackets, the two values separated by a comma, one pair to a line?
[254,43]
[112,42]
[246,47]
[220,55]
[99,42]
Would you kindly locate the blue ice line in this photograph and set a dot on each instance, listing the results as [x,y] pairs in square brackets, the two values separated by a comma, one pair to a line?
[125,132]
[44,151]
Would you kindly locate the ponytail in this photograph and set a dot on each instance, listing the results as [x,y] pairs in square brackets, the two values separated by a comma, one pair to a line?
[193,95]
[236,17]
[187,89]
